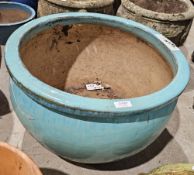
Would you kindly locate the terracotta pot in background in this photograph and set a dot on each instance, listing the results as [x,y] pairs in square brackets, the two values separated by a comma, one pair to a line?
[14,162]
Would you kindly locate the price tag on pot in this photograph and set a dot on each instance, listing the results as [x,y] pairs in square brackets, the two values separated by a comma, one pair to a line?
[123,104]
[167,42]
[93,87]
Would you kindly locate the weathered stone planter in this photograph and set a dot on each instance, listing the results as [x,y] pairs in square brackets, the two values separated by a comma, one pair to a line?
[47,7]
[174,26]
[14,162]
[91,130]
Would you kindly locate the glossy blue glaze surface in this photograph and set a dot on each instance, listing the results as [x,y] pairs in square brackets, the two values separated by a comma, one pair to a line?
[90,130]
[31,3]
[7,29]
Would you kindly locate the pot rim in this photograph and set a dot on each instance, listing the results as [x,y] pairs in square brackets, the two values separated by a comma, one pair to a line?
[22,155]
[82,4]
[20,6]
[135,9]
[58,100]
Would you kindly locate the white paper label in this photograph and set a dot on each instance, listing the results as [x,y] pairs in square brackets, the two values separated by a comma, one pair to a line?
[123,104]
[193,168]
[167,42]
[93,87]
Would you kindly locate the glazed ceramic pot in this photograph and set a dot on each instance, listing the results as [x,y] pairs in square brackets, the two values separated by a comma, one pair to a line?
[31,3]
[6,29]
[174,26]
[174,169]
[15,162]
[91,130]
[47,7]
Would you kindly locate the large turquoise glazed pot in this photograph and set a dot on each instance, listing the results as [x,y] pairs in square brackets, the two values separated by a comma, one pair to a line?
[90,130]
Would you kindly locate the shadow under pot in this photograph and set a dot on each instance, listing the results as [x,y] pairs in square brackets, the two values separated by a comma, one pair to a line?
[12,16]
[103,86]
[172,18]
[117,3]
[47,7]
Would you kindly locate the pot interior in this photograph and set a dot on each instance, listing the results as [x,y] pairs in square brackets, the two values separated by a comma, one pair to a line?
[162,6]
[70,57]
[11,14]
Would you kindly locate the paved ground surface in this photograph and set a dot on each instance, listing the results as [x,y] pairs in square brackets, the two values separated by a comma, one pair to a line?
[174,145]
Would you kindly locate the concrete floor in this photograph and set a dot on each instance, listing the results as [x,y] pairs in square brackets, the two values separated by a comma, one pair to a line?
[174,145]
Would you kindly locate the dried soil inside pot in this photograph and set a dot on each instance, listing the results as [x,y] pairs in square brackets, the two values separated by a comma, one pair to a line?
[162,6]
[69,57]
[12,15]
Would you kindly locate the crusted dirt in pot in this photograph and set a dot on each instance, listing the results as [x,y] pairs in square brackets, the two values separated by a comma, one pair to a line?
[12,15]
[70,57]
[162,6]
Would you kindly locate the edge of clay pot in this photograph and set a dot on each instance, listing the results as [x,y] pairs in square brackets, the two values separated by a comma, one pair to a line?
[82,4]
[131,7]
[22,156]
[32,11]
[175,168]
[69,103]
